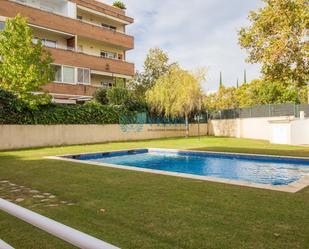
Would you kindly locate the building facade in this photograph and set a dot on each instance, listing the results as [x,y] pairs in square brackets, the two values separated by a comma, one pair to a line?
[87,40]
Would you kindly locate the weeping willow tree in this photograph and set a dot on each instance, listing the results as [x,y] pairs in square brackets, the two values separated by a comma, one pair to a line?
[176,93]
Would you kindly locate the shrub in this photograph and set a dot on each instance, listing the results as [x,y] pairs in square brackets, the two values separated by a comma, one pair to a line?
[100,96]
[136,105]
[117,95]
[119,5]
[14,111]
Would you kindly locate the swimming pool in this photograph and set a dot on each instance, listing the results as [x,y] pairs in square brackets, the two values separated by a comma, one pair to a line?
[252,170]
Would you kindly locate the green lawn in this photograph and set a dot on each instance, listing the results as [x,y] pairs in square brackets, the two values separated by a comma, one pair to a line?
[139,210]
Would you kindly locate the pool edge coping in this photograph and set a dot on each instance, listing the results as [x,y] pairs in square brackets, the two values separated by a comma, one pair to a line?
[294,187]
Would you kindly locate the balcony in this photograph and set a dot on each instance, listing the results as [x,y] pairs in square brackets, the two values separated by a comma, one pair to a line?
[101,27]
[60,7]
[68,56]
[61,23]
[69,89]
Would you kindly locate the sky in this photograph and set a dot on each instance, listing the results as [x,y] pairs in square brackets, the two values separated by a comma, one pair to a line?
[196,33]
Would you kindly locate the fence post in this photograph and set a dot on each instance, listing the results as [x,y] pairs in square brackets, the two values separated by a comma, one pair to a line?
[296,110]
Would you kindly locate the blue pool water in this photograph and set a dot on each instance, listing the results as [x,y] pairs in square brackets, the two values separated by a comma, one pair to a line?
[255,169]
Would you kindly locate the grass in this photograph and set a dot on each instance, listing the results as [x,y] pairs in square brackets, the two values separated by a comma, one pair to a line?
[139,210]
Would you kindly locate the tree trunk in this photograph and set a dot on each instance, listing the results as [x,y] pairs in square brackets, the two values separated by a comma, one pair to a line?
[187,125]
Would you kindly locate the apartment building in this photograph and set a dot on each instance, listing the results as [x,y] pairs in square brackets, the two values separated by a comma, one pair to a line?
[87,40]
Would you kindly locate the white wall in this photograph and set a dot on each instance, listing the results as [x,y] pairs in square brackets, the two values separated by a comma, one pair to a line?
[254,128]
[299,132]
[278,130]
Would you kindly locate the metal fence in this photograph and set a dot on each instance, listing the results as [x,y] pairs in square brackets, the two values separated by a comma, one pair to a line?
[274,110]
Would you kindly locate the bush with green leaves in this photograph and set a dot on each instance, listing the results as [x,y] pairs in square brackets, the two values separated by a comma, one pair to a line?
[100,96]
[119,5]
[134,104]
[16,111]
[117,95]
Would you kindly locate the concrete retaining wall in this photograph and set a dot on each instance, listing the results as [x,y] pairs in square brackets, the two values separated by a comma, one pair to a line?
[26,136]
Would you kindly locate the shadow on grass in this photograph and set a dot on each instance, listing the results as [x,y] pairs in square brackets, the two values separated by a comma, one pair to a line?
[278,152]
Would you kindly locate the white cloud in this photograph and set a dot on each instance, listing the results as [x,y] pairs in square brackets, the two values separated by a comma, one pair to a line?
[194,33]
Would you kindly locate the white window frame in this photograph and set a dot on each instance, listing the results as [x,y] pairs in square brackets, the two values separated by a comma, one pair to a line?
[62,75]
[74,75]
[83,83]
[108,55]
[48,40]
[36,39]
[106,84]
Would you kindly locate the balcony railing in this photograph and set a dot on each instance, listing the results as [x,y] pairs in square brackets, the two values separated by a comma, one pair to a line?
[59,12]
[37,6]
[66,24]
[97,63]
[68,48]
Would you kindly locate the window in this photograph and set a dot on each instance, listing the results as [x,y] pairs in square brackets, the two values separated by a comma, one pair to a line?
[87,76]
[105,84]
[49,43]
[109,55]
[57,73]
[106,26]
[35,40]
[68,74]
[83,75]
[2,25]
[45,42]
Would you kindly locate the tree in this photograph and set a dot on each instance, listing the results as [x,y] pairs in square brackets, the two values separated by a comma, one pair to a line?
[225,98]
[119,4]
[24,67]
[278,40]
[156,64]
[261,92]
[176,93]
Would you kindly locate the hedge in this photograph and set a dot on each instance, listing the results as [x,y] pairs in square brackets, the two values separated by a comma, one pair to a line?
[14,111]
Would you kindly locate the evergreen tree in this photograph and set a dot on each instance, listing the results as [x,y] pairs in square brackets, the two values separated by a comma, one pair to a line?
[221,81]
[245,76]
